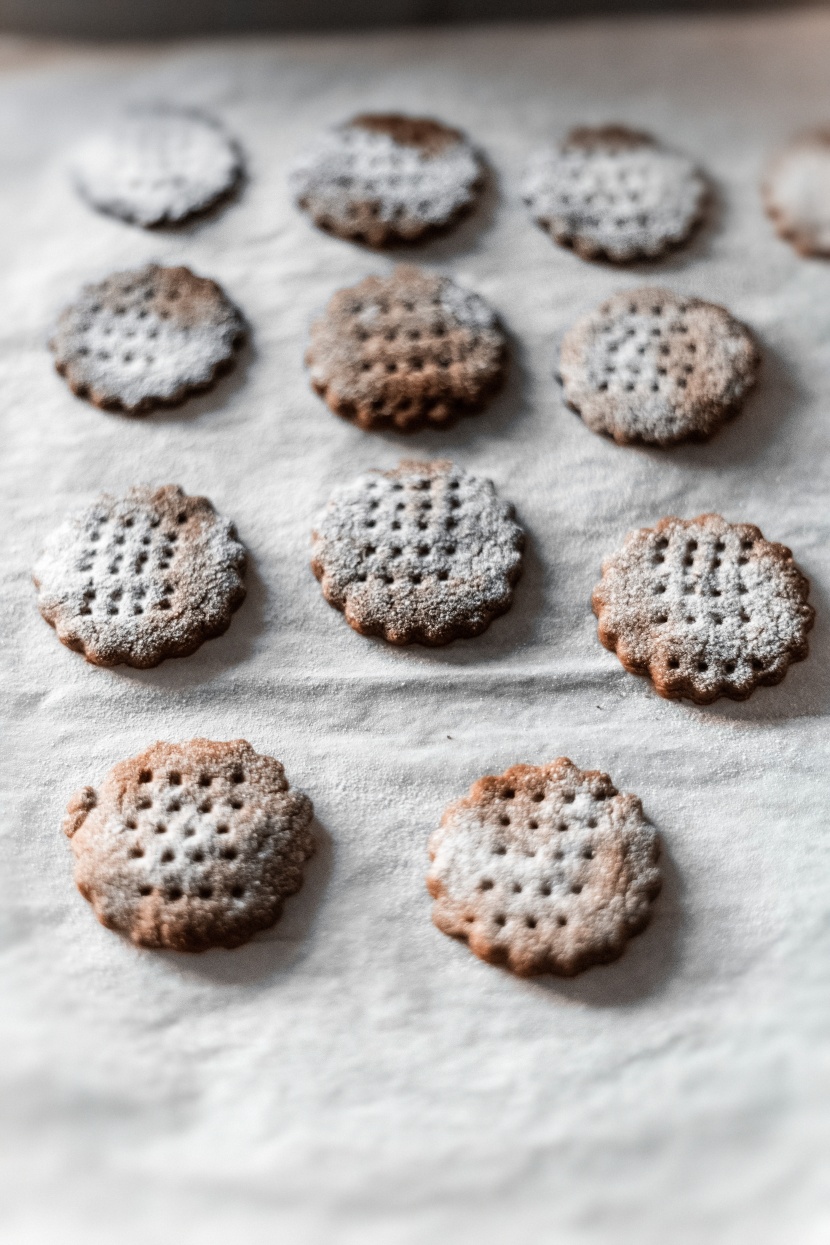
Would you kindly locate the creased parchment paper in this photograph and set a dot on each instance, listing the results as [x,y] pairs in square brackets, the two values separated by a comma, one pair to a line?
[353,1076]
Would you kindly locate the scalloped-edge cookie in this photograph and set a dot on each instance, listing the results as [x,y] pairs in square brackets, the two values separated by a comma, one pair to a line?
[146,338]
[406,351]
[614,193]
[190,846]
[651,367]
[384,178]
[423,553]
[544,869]
[132,580]
[704,608]
[157,165]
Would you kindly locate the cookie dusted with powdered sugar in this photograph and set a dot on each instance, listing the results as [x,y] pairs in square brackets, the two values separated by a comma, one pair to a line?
[383,179]
[190,846]
[157,166]
[407,350]
[133,580]
[648,366]
[545,869]
[614,193]
[147,338]
[796,192]
[705,608]
[424,553]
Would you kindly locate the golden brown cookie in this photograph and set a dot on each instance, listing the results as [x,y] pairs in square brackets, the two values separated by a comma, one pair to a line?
[146,338]
[705,608]
[614,193]
[136,579]
[796,192]
[405,351]
[384,178]
[648,366]
[545,868]
[424,553]
[190,846]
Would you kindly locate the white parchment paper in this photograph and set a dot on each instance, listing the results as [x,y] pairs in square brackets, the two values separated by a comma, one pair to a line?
[353,1075]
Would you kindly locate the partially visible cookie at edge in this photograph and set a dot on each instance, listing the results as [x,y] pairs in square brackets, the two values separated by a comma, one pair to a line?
[408,350]
[544,869]
[649,366]
[190,846]
[157,165]
[133,580]
[146,338]
[796,192]
[384,178]
[614,193]
[704,608]
[425,553]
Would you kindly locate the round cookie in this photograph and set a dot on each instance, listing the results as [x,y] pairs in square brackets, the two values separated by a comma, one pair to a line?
[424,553]
[146,338]
[705,608]
[796,193]
[405,351]
[545,869]
[383,179]
[133,580]
[190,846]
[157,166]
[650,367]
[614,193]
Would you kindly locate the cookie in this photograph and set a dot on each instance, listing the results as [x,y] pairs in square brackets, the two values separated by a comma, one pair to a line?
[545,869]
[650,367]
[407,350]
[796,193]
[146,338]
[157,166]
[382,179]
[424,553]
[190,846]
[705,608]
[614,193]
[132,580]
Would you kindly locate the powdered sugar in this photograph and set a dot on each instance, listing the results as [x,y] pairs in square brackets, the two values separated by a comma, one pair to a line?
[140,578]
[546,868]
[407,187]
[422,553]
[649,366]
[705,607]
[157,166]
[614,194]
[144,338]
[466,307]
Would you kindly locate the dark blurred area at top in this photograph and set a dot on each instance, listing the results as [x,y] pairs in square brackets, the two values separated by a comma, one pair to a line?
[150,19]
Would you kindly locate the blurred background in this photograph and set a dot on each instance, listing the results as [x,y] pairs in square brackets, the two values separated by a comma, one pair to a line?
[148,19]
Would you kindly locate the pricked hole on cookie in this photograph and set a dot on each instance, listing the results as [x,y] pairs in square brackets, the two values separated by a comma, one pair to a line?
[229,853]
[136,852]
[167,856]
[222,828]
[504,821]
[659,588]
[131,823]
[729,667]
[237,891]
[145,890]
[145,775]
[449,550]
[545,888]
[174,893]
[174,778]
[235,803]
[160,828]
[561,920]
[500,919]
[237,776]
[673,663]
[443,575]
[588,853]
[205,780]
[499,849]
[189,832]
[756,663]
[485,884]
